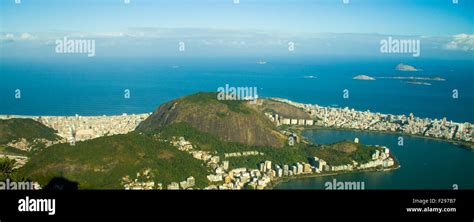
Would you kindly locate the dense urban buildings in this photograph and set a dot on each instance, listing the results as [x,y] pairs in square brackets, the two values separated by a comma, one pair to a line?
[366,120]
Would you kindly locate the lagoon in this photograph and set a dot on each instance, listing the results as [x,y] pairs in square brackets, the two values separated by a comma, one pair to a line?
[425,163]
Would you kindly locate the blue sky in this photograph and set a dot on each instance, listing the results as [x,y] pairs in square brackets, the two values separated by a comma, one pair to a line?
[405,17]
[261,27]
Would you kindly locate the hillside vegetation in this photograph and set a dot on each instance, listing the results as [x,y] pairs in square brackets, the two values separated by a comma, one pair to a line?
[30,133]
[345,152]
[101,163]
[14,129]
[283,109]
[232,121]
[335,154]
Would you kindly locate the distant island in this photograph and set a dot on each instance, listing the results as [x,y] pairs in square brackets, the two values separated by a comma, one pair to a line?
[437,78]
[363,77]
[418,83]
[405,67]
[413,79]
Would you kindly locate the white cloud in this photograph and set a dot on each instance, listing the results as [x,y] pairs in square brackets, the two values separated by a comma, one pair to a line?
[95,34]
[9,36]
[246,41]
[17,37]
[27,36]
[463,42]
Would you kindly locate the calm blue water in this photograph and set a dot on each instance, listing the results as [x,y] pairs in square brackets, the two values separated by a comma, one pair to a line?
[425,163]
[95,86]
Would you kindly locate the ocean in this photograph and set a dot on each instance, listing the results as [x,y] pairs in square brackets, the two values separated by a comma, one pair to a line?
[95,86]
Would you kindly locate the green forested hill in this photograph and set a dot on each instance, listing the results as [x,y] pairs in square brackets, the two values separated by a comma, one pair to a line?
[233,121]
[13,129]
[101,163]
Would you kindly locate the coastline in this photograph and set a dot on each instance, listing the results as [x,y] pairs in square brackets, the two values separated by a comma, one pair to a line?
[457,143]
[80,128]
[10,116]
[453,132]
[278,181]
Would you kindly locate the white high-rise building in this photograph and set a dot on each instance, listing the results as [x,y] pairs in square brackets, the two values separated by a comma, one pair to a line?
[268,165]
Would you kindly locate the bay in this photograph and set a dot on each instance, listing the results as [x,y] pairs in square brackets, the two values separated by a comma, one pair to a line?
[425,163]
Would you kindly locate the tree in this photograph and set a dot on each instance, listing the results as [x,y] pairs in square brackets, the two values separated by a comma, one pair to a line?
[6,168]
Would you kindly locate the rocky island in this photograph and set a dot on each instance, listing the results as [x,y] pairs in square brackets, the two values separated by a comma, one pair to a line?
[406,68]
[363,77]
